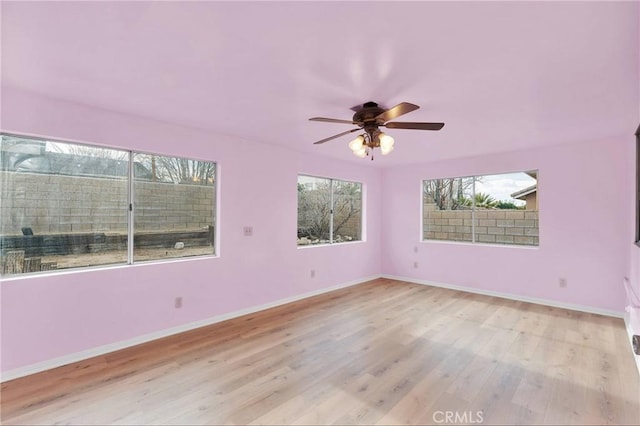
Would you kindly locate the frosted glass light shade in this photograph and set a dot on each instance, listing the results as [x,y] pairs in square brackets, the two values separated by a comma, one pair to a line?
[362,152]
[386,141]
[356,144]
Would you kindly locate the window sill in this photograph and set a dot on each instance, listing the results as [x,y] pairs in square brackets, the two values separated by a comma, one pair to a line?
[307,246]
[469,243]
[61,272]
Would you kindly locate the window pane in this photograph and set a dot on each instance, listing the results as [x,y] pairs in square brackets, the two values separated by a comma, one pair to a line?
[447,208]
[314,210]
[507,208]
[347,211]
[62,205]
[174,207]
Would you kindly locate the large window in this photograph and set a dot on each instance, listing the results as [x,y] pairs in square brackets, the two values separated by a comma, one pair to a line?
[494,209]
[174,207]
[329,211]
[66,205]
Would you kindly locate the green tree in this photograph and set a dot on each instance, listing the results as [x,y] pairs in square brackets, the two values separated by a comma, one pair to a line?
[507,205]
[485,201]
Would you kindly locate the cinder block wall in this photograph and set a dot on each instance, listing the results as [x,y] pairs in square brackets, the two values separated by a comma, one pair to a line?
[492,226]
[352,227]
[54,204]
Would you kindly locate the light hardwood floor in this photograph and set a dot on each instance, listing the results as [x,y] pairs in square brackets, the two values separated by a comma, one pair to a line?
[383,352]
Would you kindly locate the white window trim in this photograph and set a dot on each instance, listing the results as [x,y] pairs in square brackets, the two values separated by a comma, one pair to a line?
[130,214]
[473,210]
[362,212]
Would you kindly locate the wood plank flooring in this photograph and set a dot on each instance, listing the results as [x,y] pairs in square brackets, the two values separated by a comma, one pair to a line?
[383,352]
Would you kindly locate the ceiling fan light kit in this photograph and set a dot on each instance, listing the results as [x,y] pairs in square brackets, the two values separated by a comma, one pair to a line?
[364,144]
[386,143]
[369,118]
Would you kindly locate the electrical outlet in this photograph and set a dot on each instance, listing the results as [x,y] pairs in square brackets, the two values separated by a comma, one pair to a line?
[562,282]
[177,303]
[313,273]
[248,231]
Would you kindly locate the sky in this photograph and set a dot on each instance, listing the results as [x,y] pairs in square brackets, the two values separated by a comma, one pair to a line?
[502,186]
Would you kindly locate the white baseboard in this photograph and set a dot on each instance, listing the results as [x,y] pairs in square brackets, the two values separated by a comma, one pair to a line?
[101,350]
[510,296]
[627,323]
[112,347]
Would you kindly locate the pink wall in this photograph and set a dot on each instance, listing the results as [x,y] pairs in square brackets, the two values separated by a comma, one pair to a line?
[584,231]
[634,251]
[51,316]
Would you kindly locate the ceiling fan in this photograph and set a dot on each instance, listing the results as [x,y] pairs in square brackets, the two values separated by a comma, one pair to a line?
[370,117]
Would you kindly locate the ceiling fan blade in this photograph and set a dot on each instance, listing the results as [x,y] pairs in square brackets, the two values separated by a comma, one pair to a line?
[398,110]
[416,126]
[331,120]
[336,136]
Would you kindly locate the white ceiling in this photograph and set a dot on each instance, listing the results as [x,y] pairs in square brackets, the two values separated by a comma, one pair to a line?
[502,75]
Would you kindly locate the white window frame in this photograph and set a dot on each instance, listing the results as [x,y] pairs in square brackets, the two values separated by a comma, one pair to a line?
[331,217]
[130,211]
[473,210]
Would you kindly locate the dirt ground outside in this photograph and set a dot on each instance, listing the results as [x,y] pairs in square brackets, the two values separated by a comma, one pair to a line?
[114,257]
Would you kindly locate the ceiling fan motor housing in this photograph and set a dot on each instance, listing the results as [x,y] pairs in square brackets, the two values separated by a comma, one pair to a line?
[368,114]
[366,118]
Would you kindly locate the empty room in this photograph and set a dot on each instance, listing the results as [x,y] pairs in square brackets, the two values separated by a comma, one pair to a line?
[319,213]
